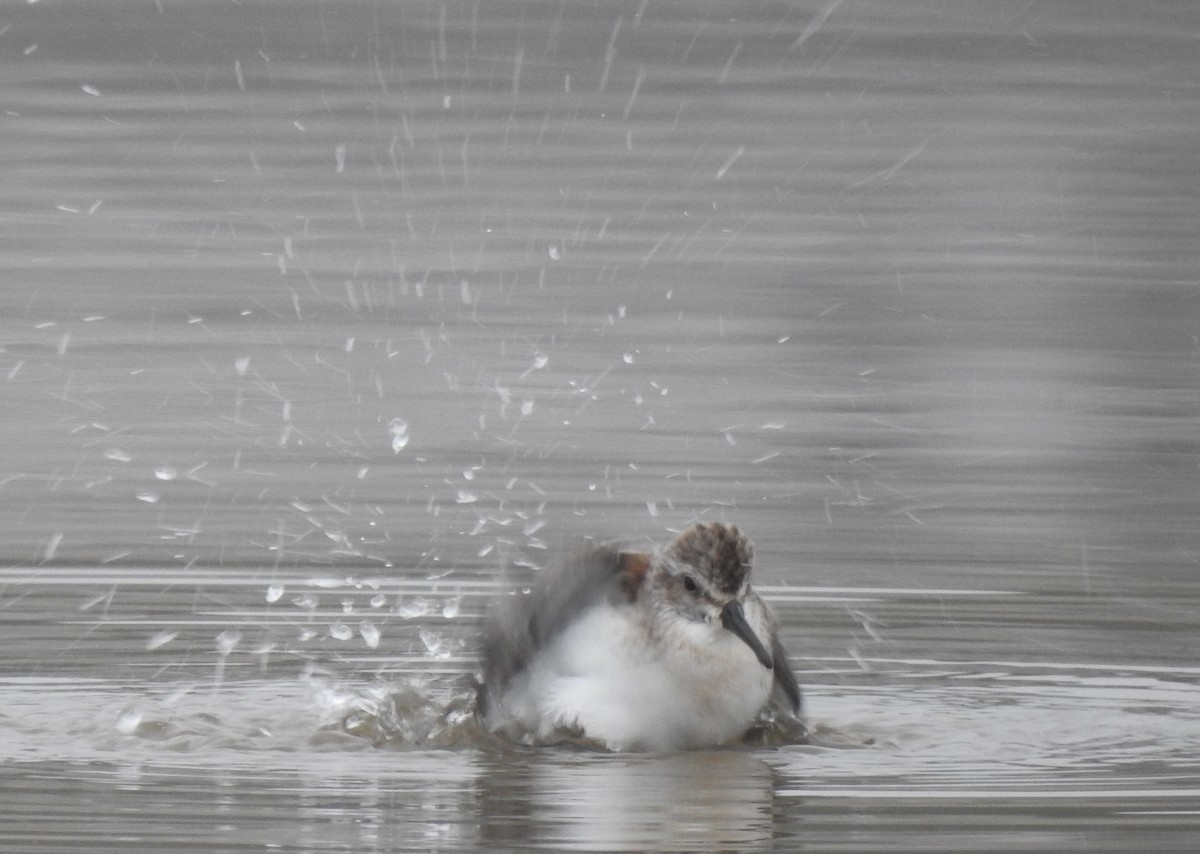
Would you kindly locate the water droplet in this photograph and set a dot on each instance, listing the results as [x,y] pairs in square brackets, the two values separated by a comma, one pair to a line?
[162,638]
[274,592]
[340,631]
[369,633]
[398,428]
[227,640]
[52,547]
[434,645]
[166,473]
[128,721]
[450,607]
[413,609]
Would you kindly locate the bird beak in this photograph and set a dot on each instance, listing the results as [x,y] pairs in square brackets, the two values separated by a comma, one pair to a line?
[733,618]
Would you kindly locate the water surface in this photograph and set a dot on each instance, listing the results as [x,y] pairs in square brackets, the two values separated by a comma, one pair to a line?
[317,315]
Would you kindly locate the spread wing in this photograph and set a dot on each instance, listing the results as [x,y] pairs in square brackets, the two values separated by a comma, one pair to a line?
[518,627]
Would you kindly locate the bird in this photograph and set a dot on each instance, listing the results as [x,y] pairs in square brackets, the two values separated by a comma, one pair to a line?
[635,651]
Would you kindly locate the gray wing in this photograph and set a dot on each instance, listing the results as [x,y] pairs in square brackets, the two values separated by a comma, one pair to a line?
[785,679]
[517,626]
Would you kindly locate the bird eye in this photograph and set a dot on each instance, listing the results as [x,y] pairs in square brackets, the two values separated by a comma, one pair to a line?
[689,584]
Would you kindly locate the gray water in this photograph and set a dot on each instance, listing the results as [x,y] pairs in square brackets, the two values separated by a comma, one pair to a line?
[316,316]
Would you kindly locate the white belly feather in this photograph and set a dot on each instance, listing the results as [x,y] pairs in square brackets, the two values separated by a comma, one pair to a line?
[699,685]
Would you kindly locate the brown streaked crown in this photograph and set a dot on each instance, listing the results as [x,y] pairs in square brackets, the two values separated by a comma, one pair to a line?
[720,552]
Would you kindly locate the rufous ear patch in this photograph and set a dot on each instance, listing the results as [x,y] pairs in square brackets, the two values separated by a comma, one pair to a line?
[633,567]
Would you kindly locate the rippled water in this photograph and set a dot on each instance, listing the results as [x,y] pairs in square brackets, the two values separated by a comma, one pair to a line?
[317,315]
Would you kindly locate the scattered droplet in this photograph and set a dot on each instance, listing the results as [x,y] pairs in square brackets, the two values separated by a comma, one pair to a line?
[369,633]
[117,455]
[128,721]
[161,639]
[340,631]
[450,607]
[413,609]
[227,640]
[241,364]
[52,547]
[398,428]
[434,645]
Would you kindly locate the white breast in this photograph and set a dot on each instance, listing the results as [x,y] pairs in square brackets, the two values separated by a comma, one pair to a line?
[699,686]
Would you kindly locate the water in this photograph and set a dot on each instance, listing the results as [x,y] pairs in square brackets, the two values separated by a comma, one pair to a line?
[316,315]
